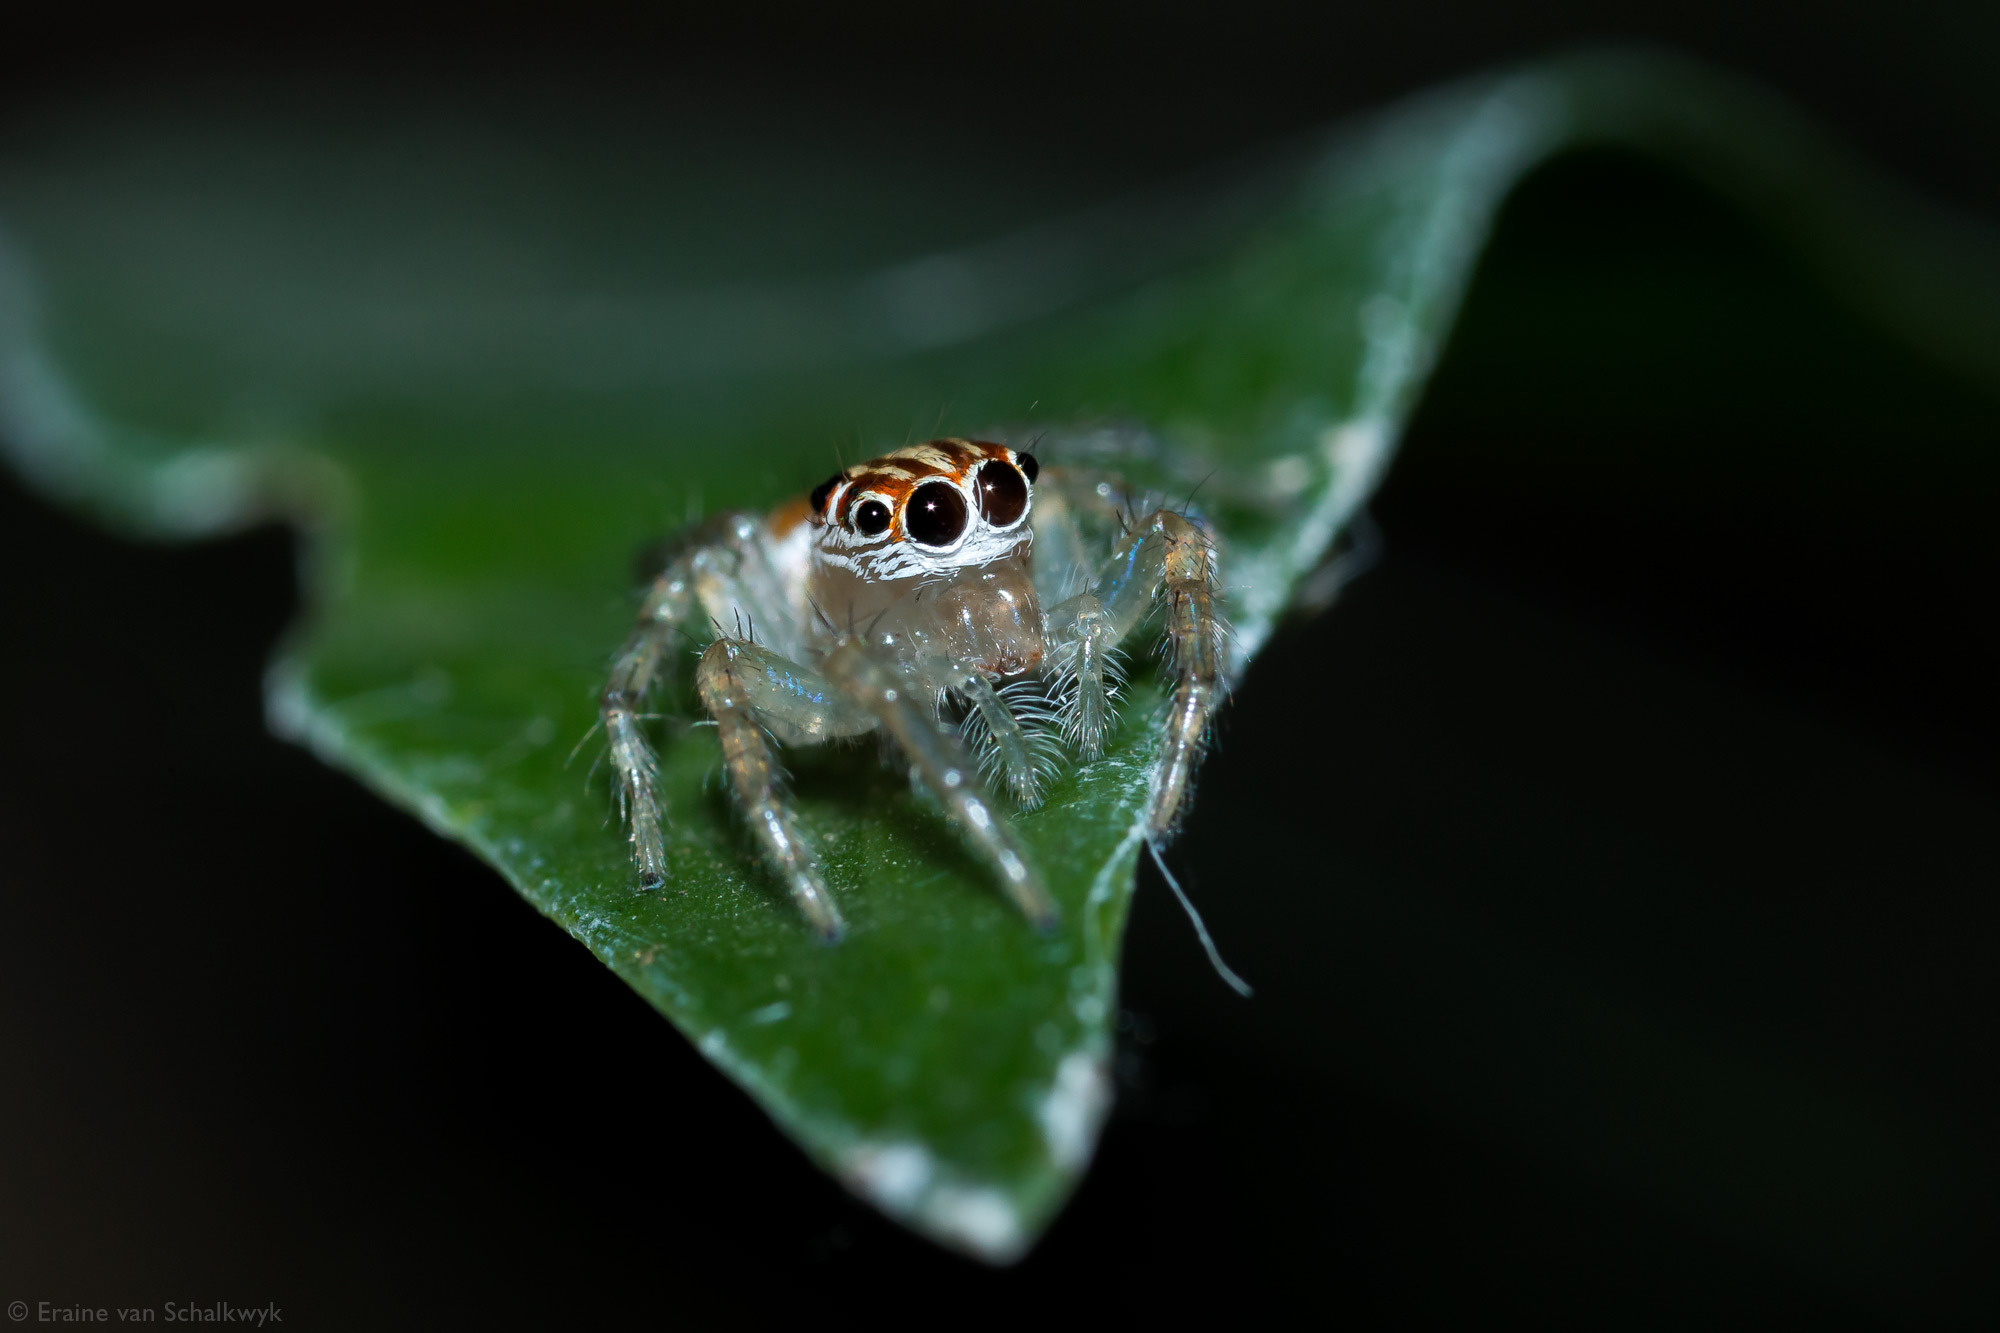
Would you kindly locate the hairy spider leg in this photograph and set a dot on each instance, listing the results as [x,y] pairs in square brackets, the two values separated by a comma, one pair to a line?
[723,569]
[748,690]
[736,578]
[1077,512]
[1089,674]
[637,670]
[904,713]
[994,728]
[1171,557]
[1194,652]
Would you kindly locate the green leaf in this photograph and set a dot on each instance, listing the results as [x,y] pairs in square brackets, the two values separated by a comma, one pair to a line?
[484,363]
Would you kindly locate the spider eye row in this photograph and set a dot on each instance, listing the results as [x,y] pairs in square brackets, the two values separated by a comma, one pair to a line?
[936,513]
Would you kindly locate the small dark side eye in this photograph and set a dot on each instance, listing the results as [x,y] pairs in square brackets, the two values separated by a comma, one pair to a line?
[1029,466]
[871,518]
[1003,494]
[819,493]
[935,515]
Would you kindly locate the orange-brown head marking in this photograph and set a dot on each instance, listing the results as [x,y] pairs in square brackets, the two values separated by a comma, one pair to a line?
[926,509]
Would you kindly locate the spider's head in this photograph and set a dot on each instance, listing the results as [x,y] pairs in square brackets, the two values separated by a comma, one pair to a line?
[927,511]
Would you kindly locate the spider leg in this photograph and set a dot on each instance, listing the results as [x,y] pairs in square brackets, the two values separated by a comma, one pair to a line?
[1171,557]
[722,570]
[1194,644]
[748,689]
[737,585]
[903,711]
[994,729]
[1088,672]
[640,665]
[1078,513]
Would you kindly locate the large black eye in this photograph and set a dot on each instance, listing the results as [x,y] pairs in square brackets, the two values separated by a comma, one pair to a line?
[935,515]
[819,493]
[871,518]
[1003,494]
[1028,464]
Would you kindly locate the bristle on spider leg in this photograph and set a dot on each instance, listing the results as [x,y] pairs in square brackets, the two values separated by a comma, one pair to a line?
[1041,723]
[977,738]
[1028,699]
[582,741]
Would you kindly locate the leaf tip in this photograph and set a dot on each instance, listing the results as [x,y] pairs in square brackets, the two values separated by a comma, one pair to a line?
[904,1180]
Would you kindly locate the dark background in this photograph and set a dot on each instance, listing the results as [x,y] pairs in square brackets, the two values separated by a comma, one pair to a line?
[1689,580]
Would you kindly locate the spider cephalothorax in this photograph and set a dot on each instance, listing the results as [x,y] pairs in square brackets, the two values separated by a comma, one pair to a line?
[896,586]
[932,547]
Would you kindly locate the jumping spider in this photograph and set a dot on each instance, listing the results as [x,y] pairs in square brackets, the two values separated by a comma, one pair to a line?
[955,575]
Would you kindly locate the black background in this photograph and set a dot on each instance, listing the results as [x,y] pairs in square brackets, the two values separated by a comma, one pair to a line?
[251,1052]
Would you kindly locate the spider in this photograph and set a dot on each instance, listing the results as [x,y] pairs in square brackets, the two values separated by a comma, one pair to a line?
[956,578]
